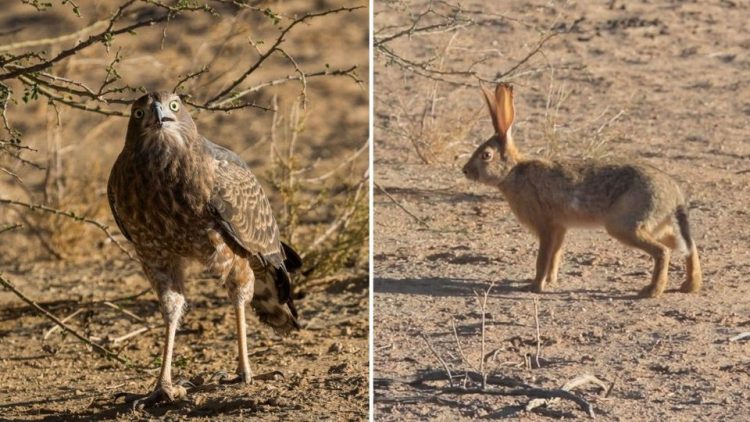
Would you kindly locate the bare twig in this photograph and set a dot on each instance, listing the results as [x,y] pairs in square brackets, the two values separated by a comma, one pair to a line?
[132,334]
[274,47]
[583,380]
[417,219]
[69,214]
[739,337]
[37,232]
[342,220]
[350,72]
[439,358]
[123,310]
[75,104]
[57,327]
[99,349]
[54,40]
[102,36]
[345,162]
[458,345]
[529,392]
[570,385]
[131,297]
[9,227]
[189,76]
[474,376]
[484,318]
[538,337]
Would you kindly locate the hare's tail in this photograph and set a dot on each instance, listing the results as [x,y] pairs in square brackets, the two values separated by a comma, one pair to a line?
[682,222]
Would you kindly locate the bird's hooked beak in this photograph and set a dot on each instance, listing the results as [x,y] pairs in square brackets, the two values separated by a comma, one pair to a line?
[162,114]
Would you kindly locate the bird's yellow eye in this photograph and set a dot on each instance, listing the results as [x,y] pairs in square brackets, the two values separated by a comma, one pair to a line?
[174,105]
[138,113]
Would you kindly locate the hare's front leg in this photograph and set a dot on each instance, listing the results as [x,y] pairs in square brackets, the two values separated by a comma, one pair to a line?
[558,235]
[548,258]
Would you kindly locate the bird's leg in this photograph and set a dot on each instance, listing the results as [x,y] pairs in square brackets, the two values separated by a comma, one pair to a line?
[172,306]
[241,287]
[243,366]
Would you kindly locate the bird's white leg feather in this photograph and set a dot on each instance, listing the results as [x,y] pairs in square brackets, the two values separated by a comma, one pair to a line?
[173,304]
[169,285]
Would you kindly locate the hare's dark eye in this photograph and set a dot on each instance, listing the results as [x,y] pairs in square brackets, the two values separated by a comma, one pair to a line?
[487,155]
[138,113]
[174,105]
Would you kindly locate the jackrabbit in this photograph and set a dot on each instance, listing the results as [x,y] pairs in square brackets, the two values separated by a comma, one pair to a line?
[637,204]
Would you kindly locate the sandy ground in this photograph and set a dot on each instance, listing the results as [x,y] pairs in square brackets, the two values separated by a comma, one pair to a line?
[317,373]
[678,70]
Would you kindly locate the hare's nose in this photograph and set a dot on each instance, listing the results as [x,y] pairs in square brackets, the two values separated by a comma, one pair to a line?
[466,171]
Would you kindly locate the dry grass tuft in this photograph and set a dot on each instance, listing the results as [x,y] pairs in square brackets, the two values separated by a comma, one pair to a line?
[328,215]
[586,141]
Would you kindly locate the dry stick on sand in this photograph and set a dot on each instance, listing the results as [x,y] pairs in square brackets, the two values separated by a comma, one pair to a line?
[132,334]
[483,303]
[57,327]
[418,220]
[570,385]
[529,392]
[123,310]
[439,358]
[740,337]
[102,350]
[538,337]
[458,345]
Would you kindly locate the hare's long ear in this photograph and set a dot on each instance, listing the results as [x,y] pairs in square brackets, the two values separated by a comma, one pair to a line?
[506,112]
[490,99]
[505,109]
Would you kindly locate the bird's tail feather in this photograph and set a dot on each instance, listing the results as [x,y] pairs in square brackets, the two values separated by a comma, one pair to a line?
[272,300]
[292,261]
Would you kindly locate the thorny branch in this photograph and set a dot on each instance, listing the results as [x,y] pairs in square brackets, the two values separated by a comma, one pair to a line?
[72,215]
[443,17]
[274,48]
[99,349]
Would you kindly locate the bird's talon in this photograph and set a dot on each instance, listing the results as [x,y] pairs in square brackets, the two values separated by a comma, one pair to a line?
[240,378]
[182,382]
[166,394]
[220,376]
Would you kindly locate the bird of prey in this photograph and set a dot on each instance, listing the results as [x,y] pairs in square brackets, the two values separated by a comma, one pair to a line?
[177,196]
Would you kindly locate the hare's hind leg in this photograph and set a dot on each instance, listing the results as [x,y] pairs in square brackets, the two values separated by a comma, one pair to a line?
[548,258]
[692,263]
[669,240]
[642,239]
[693,269]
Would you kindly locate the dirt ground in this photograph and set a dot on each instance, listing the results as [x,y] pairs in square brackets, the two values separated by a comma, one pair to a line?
[318,373]
[678,71]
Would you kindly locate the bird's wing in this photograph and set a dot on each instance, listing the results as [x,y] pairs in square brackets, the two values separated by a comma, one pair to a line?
[241,208]
[113,206]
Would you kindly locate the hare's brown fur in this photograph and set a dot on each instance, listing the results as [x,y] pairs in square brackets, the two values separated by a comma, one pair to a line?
[637,204]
